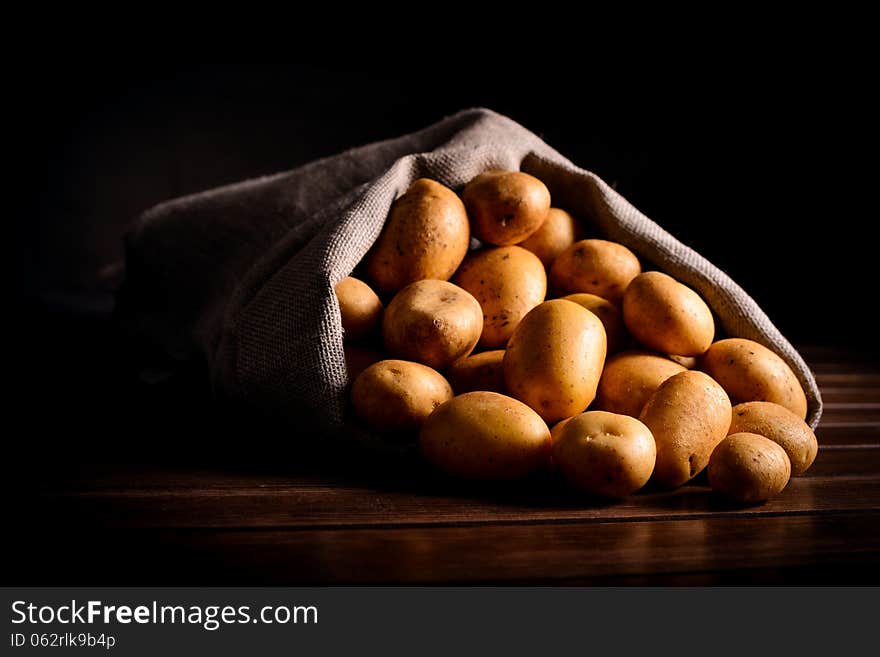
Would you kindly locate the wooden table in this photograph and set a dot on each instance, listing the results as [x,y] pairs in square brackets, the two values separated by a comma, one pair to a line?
[362,518]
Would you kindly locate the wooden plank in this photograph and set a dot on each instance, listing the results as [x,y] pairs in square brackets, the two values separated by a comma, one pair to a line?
[441,503]
[582,553]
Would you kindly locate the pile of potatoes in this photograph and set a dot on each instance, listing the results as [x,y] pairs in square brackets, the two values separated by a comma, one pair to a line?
[490,351]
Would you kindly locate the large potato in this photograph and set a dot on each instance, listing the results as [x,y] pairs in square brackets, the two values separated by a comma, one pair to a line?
[359,307]
[426,235]
[554,359]
[483,371]
[506,207]
[432,322]
[608,314]
[667,316]
[749,468]
[484,435]
[508,281]
[630,378]
[396,396]
[557,233]
[596,266]
[749,371]
[604,453]
[688,415]
[781,426]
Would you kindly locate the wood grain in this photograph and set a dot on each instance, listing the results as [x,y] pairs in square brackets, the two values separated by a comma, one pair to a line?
[346,516]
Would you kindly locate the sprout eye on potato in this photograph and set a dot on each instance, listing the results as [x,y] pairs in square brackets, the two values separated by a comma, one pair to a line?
[622,364]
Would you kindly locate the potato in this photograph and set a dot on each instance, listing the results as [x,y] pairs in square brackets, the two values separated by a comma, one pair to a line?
[359,358]
[781,426]
[483,371]
[506,207]
[630,378]
[688,415]
[595,266]
[557,233]
[508,281]
[667,316]
[687,362]
[484,435]
[432,322]
[360,308]
[747,467]
[426,235]
[554,359]
[604,453]
[749,371]
[396,396]
[608,314]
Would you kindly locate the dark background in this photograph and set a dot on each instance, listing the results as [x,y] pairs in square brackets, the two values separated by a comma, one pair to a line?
[755,158]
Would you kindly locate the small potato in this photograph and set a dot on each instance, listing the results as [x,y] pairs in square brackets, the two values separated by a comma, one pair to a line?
[687,362]
[426,235]
[748,468]
[554,359]
[396,396]
[688,415]
[749,371]
[667,316]
[484,435]
[781,426]
[630,378]
[432,322]
[508,281]
[358,358]
[608,314]
[360,308]
[595,266]
[604,453]
[506,207]
[483,371]
[557,233]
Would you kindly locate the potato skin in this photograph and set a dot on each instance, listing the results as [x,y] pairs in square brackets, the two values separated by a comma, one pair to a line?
[749,468]
[554,359]
[596,266]
[687,362]
[557,233]
[506,207]
[604,453]
[608,314]
[749,371]
[432,322]
[485,435]
[360,309]
[483,371]
[396,396]
[426,235]
[630,378]
[666,316]
[781,426]
[688,415]
[508,282]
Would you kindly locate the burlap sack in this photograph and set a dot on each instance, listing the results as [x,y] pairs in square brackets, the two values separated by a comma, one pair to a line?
[244,275]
